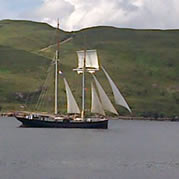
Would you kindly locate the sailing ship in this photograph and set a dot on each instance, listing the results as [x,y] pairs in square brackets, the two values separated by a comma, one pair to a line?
[100,103]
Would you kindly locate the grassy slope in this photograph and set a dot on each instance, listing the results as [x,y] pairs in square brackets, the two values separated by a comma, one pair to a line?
[27,35]
[20,71]
[143,63]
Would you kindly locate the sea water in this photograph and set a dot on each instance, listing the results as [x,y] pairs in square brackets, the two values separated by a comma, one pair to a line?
[127,150]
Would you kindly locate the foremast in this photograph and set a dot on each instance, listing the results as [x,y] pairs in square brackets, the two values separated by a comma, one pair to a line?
[56,70]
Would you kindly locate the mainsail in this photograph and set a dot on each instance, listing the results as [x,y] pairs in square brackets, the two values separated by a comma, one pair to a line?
[96,106]
[91,60]
[106,103]
[119,99]
[72,106]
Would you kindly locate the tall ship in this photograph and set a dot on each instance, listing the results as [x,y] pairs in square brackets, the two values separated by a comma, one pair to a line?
[100,103]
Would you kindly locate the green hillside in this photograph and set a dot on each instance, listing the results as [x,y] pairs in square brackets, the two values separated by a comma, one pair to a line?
[27,35]
[143,63]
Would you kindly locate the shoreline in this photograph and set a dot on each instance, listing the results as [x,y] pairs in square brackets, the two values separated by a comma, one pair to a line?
[176,118]
[146,118]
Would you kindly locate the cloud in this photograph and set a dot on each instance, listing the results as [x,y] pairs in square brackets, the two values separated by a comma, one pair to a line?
[155,14]
[50,10]
[77,14]
[89,13]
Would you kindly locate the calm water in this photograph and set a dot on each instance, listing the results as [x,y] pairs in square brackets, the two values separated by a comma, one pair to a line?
[127,150]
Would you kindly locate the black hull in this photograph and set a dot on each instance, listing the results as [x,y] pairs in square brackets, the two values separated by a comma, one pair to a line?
[101,124]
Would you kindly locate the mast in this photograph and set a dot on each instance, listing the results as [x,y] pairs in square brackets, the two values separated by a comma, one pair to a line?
[56,70]
[83,87]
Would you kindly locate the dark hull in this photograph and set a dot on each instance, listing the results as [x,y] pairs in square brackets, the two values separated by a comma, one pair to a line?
[101,124]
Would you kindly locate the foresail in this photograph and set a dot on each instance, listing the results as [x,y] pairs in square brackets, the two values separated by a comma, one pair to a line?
[106,103]
[72,106]
[119,99]
[96,106]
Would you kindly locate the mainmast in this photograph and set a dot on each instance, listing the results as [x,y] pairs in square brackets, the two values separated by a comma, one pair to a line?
[56,69]
[83,87]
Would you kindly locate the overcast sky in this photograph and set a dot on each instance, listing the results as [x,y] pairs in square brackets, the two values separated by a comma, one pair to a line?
[77,14]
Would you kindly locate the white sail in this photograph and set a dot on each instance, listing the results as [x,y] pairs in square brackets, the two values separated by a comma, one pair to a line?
[96,106]
[91,61]
[106,103]
[72,106]
[119,99]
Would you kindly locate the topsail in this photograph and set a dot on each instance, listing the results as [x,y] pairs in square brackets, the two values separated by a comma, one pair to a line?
[91,61]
